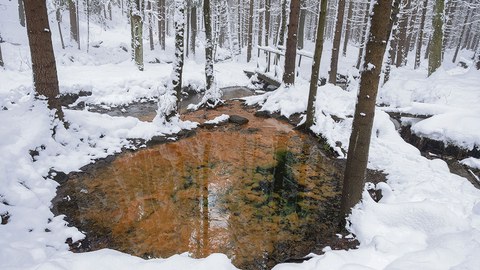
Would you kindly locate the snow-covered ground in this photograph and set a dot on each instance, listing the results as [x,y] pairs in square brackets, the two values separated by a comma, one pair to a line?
[427,219]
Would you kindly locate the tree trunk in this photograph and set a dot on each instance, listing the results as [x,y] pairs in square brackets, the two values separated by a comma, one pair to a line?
[250,32]
[363,37]
[317,58]
[150,25]
[161,23]
[435,55]
[179,19]
[418,51]
[207,14]
[260,24]
[291,48]
[267,22]
[193,22]
[74,35]
[137,34]
[21,13]
[45,80]
[358,148]
[2,64]
[393,41]
[348,27]
[402,34]
[464,27]
[336,43]
[283,26]
[301,26]
[58,16]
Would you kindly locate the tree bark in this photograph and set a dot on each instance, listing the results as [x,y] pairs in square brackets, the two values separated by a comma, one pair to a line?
[317,58]
[301,26]
[283,26]
[161,23]
[291,47]
[179,50]
[348,27]
[58,16]
[73,21]
[250,32]
[150,25]
[435,55]
[207,14]
[336,43]
[21,13]
[260,24]
[358,148]
[2,64]
[45,80]
[402,34]
[464,27]
[267,22]
[363,37]
[193,22]
[418,51]
[137,34]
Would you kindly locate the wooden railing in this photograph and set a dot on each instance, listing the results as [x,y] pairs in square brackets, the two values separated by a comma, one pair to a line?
[278,53]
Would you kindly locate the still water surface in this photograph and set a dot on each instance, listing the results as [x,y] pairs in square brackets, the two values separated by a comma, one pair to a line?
[260,193]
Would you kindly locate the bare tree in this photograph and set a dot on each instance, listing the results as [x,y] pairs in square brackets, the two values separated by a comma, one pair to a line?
[136,24]
[435,55]
[74,33]
[45,80]
[336,43]
[250,32]
[162,31]
[358,148]
[317,58]
[291,48]
[420,35]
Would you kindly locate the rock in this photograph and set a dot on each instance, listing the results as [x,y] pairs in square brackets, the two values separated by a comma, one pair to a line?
[59,177]
[263,114]
[238,120]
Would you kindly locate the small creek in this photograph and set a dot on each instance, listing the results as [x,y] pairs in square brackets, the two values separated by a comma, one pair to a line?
[260,193]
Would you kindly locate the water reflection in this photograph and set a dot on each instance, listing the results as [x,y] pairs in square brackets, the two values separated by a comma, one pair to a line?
[257,193]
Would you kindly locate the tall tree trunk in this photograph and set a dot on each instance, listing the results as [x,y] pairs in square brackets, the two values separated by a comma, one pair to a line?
[317,58]
[418,51]
[358,148]
[250,32]
[435,55]
[239,25]
[150,25]
[260,24]
[464,27]
[2,64]
[193,22]
[58,16]
[267,22]
[336,43]
[207,15]
[137,33]
[73,21]
[179,20]
[348,27]
[364,34]
[402,34]
[393,42]
[21,13]
[45,80]
[301,26]
[161,23]
[451,9]
[187,24]
[283,26]
[291,48]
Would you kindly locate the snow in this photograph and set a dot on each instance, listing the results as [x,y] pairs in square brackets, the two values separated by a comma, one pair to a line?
[428,218]
[219,119]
